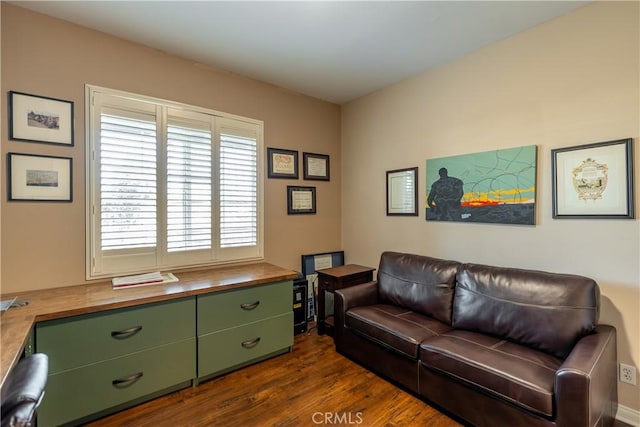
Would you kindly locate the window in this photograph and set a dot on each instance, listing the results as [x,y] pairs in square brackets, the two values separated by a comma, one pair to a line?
[170,185]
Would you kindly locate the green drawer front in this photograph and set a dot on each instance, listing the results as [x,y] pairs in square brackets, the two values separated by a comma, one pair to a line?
[81,340]
[222,310]
[84,391]
[224,349]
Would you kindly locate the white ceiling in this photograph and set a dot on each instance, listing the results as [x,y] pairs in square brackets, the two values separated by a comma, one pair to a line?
[336,51]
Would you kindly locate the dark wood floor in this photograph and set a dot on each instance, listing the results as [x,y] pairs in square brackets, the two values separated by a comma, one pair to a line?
[300,388]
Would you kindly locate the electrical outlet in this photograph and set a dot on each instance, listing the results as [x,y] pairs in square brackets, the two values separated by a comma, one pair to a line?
[627,374]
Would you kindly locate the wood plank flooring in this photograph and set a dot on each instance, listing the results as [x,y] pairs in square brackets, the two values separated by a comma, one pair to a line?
[313,385]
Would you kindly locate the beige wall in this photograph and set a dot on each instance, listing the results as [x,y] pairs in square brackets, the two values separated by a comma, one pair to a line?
[571,81]
[43,244]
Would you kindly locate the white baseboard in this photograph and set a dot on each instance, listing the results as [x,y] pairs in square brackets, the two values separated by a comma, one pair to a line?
[628,416]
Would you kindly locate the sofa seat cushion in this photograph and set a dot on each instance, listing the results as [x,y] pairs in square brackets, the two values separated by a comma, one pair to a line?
[397,328]
[509,371]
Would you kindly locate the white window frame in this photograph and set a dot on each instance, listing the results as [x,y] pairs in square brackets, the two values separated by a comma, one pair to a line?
[159,259]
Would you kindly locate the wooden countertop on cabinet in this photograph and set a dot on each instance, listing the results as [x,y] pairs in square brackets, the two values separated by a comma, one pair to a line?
[49,304]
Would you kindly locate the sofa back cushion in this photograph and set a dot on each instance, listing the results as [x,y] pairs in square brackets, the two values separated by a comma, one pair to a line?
[418,283]
[546,311]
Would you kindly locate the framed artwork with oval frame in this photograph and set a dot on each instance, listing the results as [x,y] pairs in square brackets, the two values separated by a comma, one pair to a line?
[593,180]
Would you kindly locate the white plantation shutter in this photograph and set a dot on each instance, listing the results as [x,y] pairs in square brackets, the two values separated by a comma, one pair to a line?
[170,185]
[128,197]
[238,190]
[189,174]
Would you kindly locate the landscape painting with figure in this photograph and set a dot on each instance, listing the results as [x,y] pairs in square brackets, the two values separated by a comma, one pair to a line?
[494,186]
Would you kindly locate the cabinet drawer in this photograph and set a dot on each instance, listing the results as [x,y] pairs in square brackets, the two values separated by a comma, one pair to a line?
[81,340]
[78,393]
[225,349]
[222,310]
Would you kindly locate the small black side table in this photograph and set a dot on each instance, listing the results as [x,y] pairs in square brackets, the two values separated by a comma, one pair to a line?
[331,279]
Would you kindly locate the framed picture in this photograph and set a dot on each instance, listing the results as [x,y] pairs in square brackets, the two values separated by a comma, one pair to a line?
[316,166]
[301,200]
[311,263]
[39,178]
[593,180]
[282,163]
[35,118]
[402,192]
[495,187]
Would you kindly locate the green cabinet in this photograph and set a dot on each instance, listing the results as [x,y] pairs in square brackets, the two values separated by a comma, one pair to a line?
[101,360]
[77,393]
[80,340]
[226,349]
[242,326]
[106,361]
[222,310]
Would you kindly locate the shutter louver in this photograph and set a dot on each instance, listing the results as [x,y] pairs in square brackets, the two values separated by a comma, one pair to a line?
[188,189]
[238,191]
[127,182]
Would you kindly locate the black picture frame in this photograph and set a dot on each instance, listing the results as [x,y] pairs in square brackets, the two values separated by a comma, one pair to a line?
[282,163]
[593,181]
[316,167]
[308,261]
[41,119]
[39,178]
[402,192]
[301,200]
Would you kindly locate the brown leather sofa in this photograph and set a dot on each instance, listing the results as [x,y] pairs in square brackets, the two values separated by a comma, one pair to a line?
[491,346]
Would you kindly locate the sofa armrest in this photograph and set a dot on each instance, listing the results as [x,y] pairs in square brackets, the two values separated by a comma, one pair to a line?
[354,296]
[585,384]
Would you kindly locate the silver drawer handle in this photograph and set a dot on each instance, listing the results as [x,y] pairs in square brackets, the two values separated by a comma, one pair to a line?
[126,333]
[124,382]
[250,343]
[250,306]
